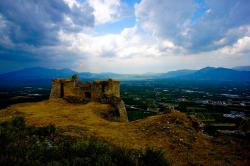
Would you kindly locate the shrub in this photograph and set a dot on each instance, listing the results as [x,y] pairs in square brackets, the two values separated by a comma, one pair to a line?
[153,156]
[18,122]
[27,145]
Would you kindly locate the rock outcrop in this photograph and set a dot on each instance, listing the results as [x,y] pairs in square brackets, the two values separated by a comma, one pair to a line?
[122,111]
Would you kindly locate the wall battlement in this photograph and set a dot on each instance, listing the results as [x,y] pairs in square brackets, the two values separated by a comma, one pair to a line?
[105,91]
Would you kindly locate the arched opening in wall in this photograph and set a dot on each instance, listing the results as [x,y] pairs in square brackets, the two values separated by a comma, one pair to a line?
[87,94]
[62,90]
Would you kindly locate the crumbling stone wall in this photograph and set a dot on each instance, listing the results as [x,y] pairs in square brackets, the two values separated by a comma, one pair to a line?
[105,91]
[99,89]
[55,89]
[69,88]
[107,88]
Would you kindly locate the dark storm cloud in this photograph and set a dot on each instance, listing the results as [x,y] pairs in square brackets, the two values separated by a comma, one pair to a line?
[29,26]
[16,55]
[37,22]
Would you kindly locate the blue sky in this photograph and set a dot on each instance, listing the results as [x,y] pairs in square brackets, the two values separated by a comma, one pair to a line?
[124,36]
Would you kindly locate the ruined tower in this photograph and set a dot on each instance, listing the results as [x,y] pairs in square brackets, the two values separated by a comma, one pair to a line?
[109,88]
[99,89]
[105,91]
[62,87]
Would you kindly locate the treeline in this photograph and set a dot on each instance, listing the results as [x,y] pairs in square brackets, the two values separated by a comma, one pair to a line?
[23,145]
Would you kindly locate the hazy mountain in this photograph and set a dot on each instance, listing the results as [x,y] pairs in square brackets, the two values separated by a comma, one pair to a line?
[43,76]
[36,73]
[176,73]
[242,68]
[218,74]
[33,76]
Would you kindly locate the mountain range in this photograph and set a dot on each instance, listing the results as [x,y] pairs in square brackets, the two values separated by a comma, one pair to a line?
[242,68]
[43,76]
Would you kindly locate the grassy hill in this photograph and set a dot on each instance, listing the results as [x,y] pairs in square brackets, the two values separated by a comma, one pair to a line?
[176,134]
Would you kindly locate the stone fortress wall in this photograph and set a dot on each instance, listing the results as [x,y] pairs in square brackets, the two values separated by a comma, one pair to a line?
[104,91]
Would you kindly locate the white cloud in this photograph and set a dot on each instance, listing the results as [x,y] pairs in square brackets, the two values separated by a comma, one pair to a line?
[124,50]
[128,43]
[164,18]
[178,21]
[107,10]
[241,46]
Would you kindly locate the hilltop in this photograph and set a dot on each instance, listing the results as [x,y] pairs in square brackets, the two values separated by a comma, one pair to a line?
[178,135]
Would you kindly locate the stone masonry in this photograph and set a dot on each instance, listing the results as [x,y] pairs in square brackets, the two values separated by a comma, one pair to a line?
[105,91]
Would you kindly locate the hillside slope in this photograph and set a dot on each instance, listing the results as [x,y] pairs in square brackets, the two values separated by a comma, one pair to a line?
[173,132]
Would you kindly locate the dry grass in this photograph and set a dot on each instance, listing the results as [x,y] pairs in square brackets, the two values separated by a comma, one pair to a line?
[171,132]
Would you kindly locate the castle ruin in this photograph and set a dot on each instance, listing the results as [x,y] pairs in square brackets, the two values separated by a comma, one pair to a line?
[104,91]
